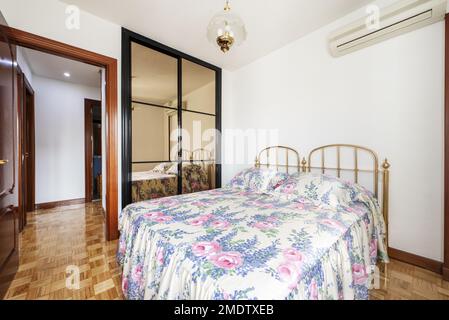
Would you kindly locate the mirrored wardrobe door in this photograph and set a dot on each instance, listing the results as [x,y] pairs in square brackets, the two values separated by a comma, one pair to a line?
[171,121]
[154,79]
[198,127]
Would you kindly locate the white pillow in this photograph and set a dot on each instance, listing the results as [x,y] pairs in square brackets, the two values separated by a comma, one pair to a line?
[258,180]
[173,169]
[318,188]
[161,168]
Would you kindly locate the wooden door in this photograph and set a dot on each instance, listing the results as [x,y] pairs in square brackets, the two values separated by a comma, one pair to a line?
[25,99]
[8,135]
[29,148]
[89,106]
[22,173]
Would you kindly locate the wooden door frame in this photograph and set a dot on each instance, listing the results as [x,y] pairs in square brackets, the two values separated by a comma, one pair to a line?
[31,164]
[32,41]
[26,173]
[20,107]
[446,155]
[88,152]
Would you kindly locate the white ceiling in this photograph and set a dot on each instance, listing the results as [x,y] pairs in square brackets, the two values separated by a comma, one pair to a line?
[53,67]
[271,24]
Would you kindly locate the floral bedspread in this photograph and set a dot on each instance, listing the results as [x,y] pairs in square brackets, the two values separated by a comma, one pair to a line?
[232,244]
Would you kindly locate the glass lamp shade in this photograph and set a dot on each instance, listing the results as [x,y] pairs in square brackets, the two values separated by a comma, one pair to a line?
[226,29]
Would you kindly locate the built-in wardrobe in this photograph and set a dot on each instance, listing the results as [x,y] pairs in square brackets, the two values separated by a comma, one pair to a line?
[171,121]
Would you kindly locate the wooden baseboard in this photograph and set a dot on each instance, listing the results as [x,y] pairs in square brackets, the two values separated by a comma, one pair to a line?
[55,204]
[446,273]
[425,263]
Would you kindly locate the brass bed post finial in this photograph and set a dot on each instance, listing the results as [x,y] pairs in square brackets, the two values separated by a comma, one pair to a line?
[385,196]
[304,165]
[386,165]
[257,162]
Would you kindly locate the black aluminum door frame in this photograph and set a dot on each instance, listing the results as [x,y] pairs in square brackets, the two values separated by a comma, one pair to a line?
[129,37]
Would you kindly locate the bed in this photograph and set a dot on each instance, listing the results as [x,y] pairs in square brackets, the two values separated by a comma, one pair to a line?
[152,185]
[163,180]
[235,243]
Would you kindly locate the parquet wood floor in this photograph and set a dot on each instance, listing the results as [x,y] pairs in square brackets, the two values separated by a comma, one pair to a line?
[403,281]
[74,235]
[57,238]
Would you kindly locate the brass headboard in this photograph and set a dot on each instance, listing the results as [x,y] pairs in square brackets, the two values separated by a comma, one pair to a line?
[293,163]
[374,170]
[201,155]
[205,159]
[307,166]
[186,155]
[356,151]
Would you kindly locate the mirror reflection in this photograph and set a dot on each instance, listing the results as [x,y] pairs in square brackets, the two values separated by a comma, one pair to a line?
[160,166]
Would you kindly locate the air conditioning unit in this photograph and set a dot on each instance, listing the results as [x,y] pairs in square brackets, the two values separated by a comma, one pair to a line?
[399,18]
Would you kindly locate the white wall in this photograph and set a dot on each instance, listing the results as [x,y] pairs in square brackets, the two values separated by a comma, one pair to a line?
[388,97]
[59,132]
[24,65]
[228,120]
[47,18]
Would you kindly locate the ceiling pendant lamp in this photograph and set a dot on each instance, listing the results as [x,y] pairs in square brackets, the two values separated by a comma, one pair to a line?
[226,29]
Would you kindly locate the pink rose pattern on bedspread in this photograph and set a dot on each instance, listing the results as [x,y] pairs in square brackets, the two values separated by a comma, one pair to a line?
[234,244]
